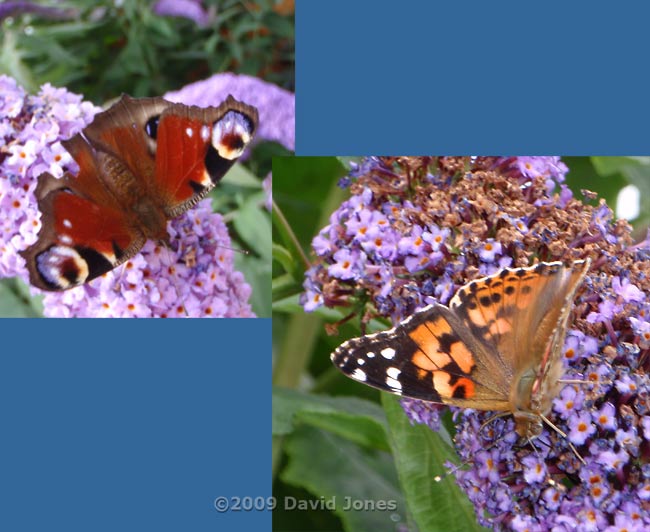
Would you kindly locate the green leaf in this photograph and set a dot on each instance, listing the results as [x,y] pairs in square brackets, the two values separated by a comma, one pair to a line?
[635,171]
[285,286]
[16,302]
[240,176]
[360,421]
[257,273]
[419,456]
[282,255]
[339,472]
[254,227]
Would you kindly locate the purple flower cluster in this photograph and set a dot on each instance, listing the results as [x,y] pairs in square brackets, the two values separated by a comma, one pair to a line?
[416,229]
[194,277]
[31,128]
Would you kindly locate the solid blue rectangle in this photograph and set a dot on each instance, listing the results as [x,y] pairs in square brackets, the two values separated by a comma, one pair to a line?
[471,77]
[134,425]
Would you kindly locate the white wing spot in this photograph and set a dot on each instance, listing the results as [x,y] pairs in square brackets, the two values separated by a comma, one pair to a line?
[394,384]
[393,372]
[361,361]
[67,223]
[189,132]
[388,352]
[370,354]
[359,375]
[205,133]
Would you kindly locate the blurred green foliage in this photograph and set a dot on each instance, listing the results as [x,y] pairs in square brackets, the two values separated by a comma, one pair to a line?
[102,49]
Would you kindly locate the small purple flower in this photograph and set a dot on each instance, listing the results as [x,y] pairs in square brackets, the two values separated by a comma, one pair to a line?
[606,417]
[347,265]
[642,329]
[581,428]
[626,290]
[321,243]
[312,300]
[606,311]
[490,250]
[423,413]
[412,244]
[534,469]
[436,237]
[569,401]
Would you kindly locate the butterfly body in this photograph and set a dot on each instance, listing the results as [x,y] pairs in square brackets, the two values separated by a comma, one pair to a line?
[497,347]
[141,163]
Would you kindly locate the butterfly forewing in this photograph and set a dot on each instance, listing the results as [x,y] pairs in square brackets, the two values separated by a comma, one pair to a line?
[430,356]
[126,124]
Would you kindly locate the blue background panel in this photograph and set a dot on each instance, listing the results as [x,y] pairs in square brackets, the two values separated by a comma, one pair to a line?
[472,78]
[133,424]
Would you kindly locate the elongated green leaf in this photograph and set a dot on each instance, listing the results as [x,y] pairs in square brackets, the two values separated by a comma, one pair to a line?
[254,226]
[419,456]
[345,477]
[354,419]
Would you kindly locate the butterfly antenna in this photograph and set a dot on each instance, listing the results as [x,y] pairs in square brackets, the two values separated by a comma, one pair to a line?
[236,250]
[564,436]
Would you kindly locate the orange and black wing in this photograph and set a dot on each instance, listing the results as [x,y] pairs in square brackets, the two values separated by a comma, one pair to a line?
[430,356]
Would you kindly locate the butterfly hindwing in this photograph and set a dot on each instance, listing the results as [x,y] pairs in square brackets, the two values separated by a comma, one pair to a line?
[196,147]
[85,233]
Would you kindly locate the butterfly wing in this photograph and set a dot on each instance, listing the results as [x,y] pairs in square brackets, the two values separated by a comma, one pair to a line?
[177,152]
[432,356]
[84,231]
[196,147]
[522,315]
[126,131]
[497,346]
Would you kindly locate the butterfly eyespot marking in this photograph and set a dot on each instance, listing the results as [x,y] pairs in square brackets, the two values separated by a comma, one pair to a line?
[151,127]
[231,134]
[61,267]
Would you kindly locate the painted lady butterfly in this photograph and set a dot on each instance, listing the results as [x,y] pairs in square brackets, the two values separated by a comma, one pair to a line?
[497,347]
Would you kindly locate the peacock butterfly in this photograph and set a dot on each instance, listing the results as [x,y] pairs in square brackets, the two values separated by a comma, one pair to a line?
[141,163]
